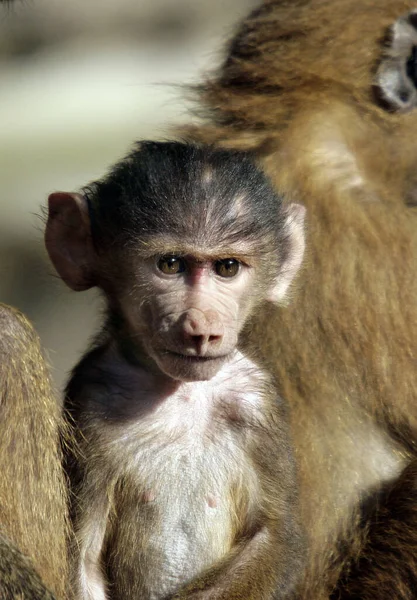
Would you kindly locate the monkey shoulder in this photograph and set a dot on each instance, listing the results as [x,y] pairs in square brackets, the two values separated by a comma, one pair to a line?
[245,386]
[100,384]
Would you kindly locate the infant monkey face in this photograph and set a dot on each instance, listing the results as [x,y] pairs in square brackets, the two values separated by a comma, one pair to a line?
[189,311]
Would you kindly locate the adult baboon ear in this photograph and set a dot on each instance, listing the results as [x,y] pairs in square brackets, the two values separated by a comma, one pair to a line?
[295,236]
[396,77]
[68,240]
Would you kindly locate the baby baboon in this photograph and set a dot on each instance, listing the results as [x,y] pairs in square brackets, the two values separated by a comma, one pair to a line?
[184,480]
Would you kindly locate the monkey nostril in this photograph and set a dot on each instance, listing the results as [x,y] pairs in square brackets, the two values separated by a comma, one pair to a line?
[201,342]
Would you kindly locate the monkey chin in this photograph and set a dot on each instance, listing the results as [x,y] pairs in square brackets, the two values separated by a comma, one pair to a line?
[190,368]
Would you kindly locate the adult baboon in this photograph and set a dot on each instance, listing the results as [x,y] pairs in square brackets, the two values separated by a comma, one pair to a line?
[323,93]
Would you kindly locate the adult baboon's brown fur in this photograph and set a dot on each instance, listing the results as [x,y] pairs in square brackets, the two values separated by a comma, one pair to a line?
[299,89]
[33,504]
[19,580]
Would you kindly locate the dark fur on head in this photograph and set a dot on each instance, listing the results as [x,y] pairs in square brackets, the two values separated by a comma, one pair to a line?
[202,195]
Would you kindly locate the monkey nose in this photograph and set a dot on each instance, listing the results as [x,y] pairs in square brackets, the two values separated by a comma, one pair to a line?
[202,330]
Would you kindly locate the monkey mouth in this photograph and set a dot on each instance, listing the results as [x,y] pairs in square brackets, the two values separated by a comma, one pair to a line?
[196,359]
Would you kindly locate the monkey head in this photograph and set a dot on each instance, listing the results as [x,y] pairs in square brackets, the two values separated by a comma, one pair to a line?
[185,241]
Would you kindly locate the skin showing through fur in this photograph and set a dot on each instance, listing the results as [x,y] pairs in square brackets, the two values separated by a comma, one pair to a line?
[183,479]
[323,94]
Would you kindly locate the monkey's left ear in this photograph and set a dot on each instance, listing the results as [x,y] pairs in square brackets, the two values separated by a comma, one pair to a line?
[396,77]
[294,232]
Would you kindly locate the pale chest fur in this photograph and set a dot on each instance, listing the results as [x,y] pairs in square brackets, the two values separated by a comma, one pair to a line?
[180,461]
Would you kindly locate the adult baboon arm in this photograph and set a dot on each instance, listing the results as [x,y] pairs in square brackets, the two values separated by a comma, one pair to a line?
[33,505]
[18,578]
[391,534]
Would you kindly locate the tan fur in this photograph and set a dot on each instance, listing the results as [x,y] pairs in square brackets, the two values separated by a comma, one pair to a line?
[32,493]
[18,578]
[297,90]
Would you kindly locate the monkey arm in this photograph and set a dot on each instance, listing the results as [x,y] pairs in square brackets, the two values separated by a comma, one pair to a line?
[387,564]
[249,571]
[91,527]
[33,501]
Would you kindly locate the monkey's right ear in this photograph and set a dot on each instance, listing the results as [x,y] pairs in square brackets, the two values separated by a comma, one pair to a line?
[68,240]
[396,77]
[295,235]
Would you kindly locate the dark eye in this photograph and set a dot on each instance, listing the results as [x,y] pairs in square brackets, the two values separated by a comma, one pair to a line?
[412,66]
[228,267]
[171,265]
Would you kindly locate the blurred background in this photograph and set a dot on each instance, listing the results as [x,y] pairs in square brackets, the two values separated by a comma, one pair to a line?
[80,81]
